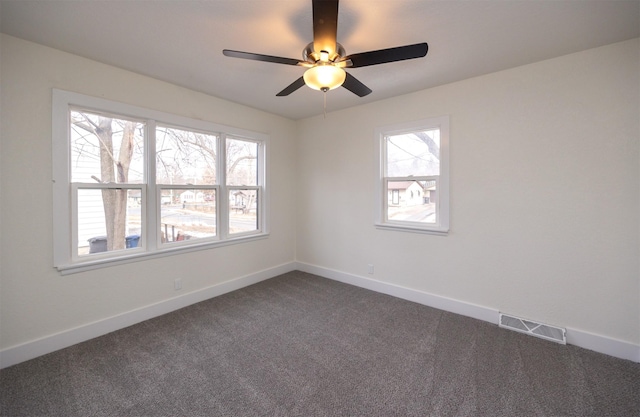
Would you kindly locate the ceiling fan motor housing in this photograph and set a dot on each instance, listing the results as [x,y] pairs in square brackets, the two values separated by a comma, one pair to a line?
[311,56]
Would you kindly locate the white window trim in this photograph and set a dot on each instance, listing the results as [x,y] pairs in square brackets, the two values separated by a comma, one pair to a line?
[63,220]
[441,227]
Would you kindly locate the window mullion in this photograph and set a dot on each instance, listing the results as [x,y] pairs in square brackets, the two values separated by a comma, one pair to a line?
[262,195]
[152,203]
[74,222]
[223,198]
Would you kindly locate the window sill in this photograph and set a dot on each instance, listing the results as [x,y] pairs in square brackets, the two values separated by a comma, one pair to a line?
[89,265]
[411,229]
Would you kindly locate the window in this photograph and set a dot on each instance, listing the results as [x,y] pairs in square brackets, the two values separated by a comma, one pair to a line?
[412,181]
[131,182]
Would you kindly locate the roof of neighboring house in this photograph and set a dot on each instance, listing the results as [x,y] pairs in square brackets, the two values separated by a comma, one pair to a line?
[402,185]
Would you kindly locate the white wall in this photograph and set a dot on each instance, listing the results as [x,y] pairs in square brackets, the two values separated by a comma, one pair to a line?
[36,301]
[545,186]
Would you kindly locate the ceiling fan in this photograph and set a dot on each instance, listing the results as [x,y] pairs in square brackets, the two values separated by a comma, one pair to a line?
[326,59]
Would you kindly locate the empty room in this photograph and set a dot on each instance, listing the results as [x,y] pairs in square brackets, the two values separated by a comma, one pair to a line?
[319,208]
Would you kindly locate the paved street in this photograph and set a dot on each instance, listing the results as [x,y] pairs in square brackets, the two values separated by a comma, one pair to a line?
[424,213]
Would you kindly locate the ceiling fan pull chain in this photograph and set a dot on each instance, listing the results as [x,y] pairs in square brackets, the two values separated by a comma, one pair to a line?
[325,103]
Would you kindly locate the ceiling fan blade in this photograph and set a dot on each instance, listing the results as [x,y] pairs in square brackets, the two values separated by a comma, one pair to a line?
[382,56]
[325,25]
[260,57]
[352,84]
[292,87]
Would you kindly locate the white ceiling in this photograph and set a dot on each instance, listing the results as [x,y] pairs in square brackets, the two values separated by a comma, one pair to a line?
[181,41]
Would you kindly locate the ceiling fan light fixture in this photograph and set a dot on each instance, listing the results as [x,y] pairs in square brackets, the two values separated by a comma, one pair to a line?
[324,77]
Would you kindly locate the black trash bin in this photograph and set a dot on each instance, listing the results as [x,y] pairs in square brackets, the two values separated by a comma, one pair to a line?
[132,241]
[98,244]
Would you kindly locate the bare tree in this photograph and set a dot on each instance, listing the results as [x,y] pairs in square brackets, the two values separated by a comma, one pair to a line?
[241,169]
[181,154]
[431,144]
[182,157]
[113,169]
[182,151]
[412,154]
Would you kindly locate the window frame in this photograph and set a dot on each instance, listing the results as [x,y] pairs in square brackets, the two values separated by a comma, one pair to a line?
[67,261]
[441,226]
[75,187]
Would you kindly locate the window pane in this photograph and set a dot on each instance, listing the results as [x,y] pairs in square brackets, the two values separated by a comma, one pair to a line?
[413,154]
[243,211]
[106,149]
[185,157]
[187,214]
[242,162]
[108,220]
[413,201]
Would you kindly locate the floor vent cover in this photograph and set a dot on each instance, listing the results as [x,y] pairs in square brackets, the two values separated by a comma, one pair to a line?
[544,331]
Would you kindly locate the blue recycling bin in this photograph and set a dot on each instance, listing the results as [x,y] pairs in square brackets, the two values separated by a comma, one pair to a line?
[132,241]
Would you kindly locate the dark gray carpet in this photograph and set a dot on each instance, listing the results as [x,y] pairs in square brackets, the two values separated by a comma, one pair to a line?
[301,345]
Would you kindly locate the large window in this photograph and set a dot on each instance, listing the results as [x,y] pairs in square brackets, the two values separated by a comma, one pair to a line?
[413,176]
[131,182]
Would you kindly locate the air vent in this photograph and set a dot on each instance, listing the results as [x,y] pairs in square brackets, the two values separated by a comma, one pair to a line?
[544,331]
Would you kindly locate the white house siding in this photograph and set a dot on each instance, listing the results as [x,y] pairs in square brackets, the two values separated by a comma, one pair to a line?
[410,193]
[91,222]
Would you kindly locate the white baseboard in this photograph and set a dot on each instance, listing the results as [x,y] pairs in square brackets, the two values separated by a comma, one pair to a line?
[48,344]
[607,345]
[586,340]
[420,297]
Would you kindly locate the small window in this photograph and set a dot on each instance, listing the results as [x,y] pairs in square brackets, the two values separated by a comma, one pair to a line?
[413,176]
